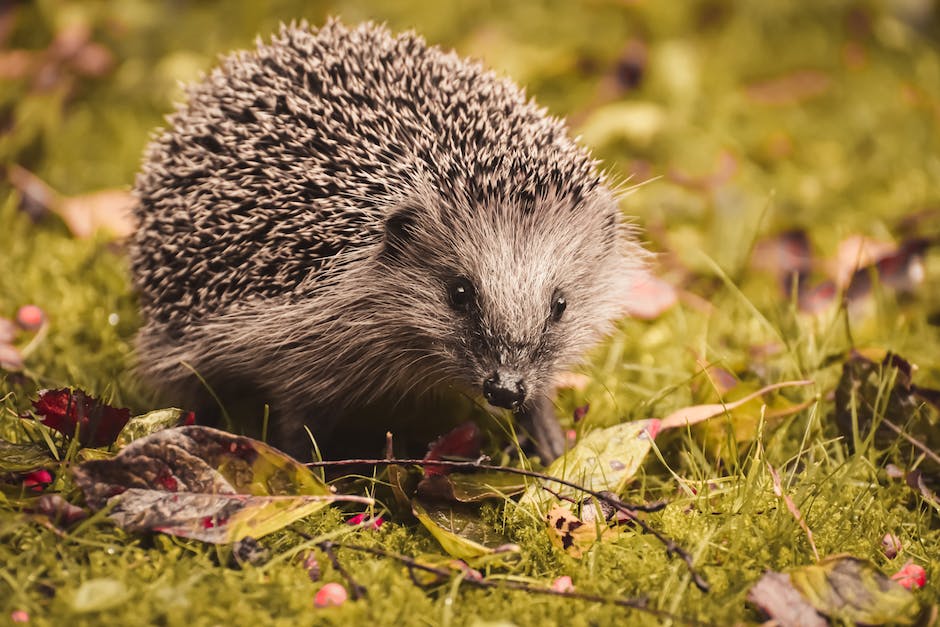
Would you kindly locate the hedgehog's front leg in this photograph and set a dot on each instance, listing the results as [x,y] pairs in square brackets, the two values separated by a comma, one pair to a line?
[292,431]
[539,419]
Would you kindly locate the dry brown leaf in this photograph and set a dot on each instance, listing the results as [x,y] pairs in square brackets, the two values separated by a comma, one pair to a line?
[699,413]
[857,252]
[777,598]
[726,166]
[108,210]
[16,64]
[572,381]
[650,297]
[10,358]
[573,535]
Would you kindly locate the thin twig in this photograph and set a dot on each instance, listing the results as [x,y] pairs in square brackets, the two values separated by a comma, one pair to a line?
[358,591]
[444,574]
[479,464]
[914,441]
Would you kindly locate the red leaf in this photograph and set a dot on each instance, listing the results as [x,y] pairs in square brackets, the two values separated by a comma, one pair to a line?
[65,410]
[463,441]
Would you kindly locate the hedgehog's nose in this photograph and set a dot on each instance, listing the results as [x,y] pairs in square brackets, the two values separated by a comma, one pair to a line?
[503,389]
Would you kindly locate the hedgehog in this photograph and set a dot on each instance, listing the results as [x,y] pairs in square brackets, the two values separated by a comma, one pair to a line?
[344,218]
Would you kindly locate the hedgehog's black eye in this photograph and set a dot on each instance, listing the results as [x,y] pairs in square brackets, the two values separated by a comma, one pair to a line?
[461,293]
[558,306]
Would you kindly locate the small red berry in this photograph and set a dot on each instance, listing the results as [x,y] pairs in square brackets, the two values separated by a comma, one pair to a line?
[330,595]
[30,317]
[911,575]
[37,480]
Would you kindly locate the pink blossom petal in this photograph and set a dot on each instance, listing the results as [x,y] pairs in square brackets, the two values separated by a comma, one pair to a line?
[563,584]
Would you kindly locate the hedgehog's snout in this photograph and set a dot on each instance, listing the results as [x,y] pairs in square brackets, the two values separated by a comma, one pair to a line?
[504,389]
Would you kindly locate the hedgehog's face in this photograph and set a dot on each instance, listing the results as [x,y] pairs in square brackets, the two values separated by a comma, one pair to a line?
[502,299]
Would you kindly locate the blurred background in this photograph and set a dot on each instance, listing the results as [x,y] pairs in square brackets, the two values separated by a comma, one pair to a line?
[735,120]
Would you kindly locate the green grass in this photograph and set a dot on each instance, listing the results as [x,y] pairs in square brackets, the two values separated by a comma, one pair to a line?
[859,157]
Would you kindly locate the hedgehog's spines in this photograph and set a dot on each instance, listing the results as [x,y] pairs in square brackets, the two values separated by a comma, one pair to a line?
[263,210]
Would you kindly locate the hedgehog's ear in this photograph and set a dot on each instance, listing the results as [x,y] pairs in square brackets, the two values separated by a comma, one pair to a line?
[399,230]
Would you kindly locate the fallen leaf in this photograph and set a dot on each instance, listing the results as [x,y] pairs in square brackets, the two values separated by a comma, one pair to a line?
[778,599]
[883,396]
[901,270]
[66,411]
[200,460]
[461,531]
[149,423]
[108,210]
[571,381]
[10,358]
[7,331]
[249,552]
[573,535]
[580,412]
[854,253]
[202,483]
[214,518]
[786,256]
[650,297]
[92,60]
[852,590]
[59,510]
[604,459]
[17,64]
[915,479]
[607,459]
[815,300]
[726,166]
[471,487]
[462,442]
[699,413]
[24,457]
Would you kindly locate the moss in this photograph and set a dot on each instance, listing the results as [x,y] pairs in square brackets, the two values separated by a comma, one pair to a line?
[852,152]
